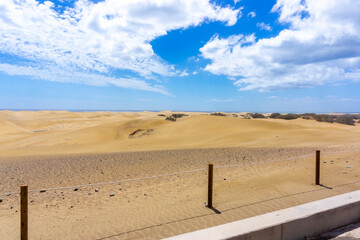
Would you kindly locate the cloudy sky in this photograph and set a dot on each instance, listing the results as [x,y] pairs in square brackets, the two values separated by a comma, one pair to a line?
[196,55]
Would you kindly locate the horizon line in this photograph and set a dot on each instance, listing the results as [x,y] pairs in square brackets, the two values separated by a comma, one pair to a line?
[143,110]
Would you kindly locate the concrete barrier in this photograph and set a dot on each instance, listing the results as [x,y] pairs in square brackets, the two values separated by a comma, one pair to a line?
[293,223]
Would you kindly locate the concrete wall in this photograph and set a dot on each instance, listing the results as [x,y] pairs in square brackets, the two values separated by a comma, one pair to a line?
[293,223]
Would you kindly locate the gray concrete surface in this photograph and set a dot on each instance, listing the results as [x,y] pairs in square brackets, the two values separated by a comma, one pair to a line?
[349,232]
[307,221]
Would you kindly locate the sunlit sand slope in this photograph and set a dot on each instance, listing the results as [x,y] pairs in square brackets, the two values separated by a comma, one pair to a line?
[62,132]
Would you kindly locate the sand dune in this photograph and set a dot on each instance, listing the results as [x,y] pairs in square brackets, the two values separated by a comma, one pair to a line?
[50,149]
[62,132]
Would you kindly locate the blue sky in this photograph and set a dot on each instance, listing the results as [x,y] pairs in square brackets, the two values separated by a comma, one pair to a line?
[194,55]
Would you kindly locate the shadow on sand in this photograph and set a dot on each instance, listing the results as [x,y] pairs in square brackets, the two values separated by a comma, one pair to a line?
[216,211]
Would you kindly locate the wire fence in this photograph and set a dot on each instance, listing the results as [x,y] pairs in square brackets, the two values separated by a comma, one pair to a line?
[225,209]
[178,173]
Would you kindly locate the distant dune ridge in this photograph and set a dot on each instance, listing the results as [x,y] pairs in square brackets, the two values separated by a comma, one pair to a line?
[62,132]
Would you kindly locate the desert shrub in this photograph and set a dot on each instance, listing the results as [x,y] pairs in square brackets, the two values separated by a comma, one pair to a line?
[234,115]
[348,119]
[274,115]
[161,115]
[218,114]
[289,116]
[345,119]
[325,118]
[308,116]
[257,115]
[178,115]
[247,116]
[171,118]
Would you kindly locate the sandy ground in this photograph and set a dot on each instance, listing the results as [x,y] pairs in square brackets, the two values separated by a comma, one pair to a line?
[57,149]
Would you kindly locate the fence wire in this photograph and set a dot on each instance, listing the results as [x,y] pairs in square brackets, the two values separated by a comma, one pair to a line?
[176,173]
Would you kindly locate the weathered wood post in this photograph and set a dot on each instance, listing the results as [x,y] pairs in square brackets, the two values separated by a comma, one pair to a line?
[317,168]
[24,212]
[210,186]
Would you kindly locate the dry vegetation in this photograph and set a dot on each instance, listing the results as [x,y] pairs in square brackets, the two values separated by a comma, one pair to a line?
[348,119]
[218,114]
[175,116]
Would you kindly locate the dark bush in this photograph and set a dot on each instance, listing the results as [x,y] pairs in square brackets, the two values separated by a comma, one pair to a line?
[274,115]
[171,118]
[218,114]
[289,116]
[161,115]
[325,118]
[346,119]
[247,116]
[308,116]
[257,115]
[178,115]
[343,119]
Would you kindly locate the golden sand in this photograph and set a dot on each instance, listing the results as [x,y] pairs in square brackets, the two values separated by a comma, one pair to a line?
[61,132]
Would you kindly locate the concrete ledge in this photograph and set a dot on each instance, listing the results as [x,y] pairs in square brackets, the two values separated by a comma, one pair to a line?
[293,223]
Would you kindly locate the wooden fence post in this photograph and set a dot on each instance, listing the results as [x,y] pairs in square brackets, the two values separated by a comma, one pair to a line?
[210,186]
[24,212]
[317,168]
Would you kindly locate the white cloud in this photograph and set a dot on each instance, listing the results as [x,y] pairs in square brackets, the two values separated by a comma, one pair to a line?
[321,45]
[59,75]
[252,14]
[264,26]
[193,59]
[195,72]
[103,36]
[184,73]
